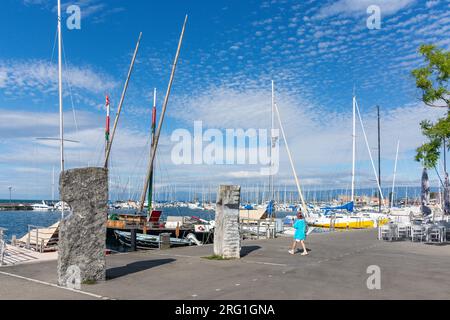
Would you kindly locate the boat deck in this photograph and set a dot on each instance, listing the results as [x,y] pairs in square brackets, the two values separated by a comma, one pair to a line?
[335,269]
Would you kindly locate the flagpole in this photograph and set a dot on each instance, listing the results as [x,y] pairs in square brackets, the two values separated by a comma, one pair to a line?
[150,186]
[107,128]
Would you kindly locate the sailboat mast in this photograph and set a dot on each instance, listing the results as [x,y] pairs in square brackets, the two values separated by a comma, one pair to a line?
[150,185]
[271,187]
[379,158]
[61,118]
[395,173]
[297,182]
[53,184]
[122,98]
[354,149]
[161,119]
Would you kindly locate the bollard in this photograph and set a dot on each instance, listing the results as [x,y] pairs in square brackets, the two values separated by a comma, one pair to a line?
[164,241]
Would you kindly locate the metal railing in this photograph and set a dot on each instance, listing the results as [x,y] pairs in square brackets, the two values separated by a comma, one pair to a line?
[2,246]
[257,229]
[35,238]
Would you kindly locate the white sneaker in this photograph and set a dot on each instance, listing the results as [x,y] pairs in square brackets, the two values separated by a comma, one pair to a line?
[291,251]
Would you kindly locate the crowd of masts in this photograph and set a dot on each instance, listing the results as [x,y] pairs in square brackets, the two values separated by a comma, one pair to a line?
[260,194]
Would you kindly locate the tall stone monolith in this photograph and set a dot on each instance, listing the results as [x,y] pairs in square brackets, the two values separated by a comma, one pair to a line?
[82,233]
[227,240]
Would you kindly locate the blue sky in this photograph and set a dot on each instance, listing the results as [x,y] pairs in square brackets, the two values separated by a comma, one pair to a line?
[316,51]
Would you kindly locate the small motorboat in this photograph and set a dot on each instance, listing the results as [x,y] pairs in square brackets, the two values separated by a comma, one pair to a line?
[145,241]
[42,207]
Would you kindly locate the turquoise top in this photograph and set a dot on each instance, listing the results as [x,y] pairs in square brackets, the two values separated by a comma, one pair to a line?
[300,228]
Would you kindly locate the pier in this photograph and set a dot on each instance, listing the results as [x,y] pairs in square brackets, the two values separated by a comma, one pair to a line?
[16,207]
[336,268]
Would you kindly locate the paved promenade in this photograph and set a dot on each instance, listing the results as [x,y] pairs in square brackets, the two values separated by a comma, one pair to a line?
[335,269]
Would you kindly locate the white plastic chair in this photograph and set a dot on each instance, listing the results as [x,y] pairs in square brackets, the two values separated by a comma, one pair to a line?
[418,233]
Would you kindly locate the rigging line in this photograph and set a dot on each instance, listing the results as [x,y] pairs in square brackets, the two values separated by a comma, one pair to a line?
[370,153]
[440,179]
[54,45]
[70,92]
[77,135]
[305,207]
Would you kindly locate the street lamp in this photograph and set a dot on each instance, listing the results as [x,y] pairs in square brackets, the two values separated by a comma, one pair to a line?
[10,188]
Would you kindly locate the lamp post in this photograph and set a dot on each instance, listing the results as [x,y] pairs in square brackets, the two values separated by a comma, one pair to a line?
[10,188]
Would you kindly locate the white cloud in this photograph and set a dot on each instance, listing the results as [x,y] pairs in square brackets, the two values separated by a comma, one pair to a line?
[432,3]
[39,75]
[96,9]
[359,7]
[27,162]
[313,132]
[3,77]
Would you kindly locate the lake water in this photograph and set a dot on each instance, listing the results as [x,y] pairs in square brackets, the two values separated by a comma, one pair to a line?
[17,222]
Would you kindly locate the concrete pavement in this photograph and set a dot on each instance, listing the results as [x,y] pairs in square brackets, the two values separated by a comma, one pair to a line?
[335,269]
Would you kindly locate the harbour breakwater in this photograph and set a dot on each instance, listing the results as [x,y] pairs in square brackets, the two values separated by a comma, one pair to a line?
[16,207]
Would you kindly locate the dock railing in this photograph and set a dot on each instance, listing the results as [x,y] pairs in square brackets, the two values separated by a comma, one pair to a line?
[2,245]
[37,237]
[257,229]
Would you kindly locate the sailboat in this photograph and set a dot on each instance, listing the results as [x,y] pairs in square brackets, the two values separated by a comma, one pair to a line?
[143,222]
[352,220]
[46,243]
[260,219]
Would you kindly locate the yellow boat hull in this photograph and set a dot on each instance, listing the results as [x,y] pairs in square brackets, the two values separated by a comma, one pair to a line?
[363,224]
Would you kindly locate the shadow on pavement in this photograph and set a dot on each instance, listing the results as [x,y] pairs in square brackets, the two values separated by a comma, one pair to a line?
[134,267]
[248,249]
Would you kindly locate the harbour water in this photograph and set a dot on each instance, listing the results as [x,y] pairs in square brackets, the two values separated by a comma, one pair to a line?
[17,222]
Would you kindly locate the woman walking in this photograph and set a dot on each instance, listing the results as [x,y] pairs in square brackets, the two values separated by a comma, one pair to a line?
[300,234]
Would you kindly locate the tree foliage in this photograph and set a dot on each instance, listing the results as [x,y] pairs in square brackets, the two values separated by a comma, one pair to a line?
[433,80]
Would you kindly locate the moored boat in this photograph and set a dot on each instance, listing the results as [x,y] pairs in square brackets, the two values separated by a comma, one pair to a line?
[145,241]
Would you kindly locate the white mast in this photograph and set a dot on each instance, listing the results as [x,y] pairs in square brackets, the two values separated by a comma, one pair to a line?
[368,150]
[297,182]
[61,118]
[395,173]
[354,149]
[271,186]
[53,184]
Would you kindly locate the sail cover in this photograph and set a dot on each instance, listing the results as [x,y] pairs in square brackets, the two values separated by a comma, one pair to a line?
[425,193]
[249,207]
[349,207]
[270,208]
